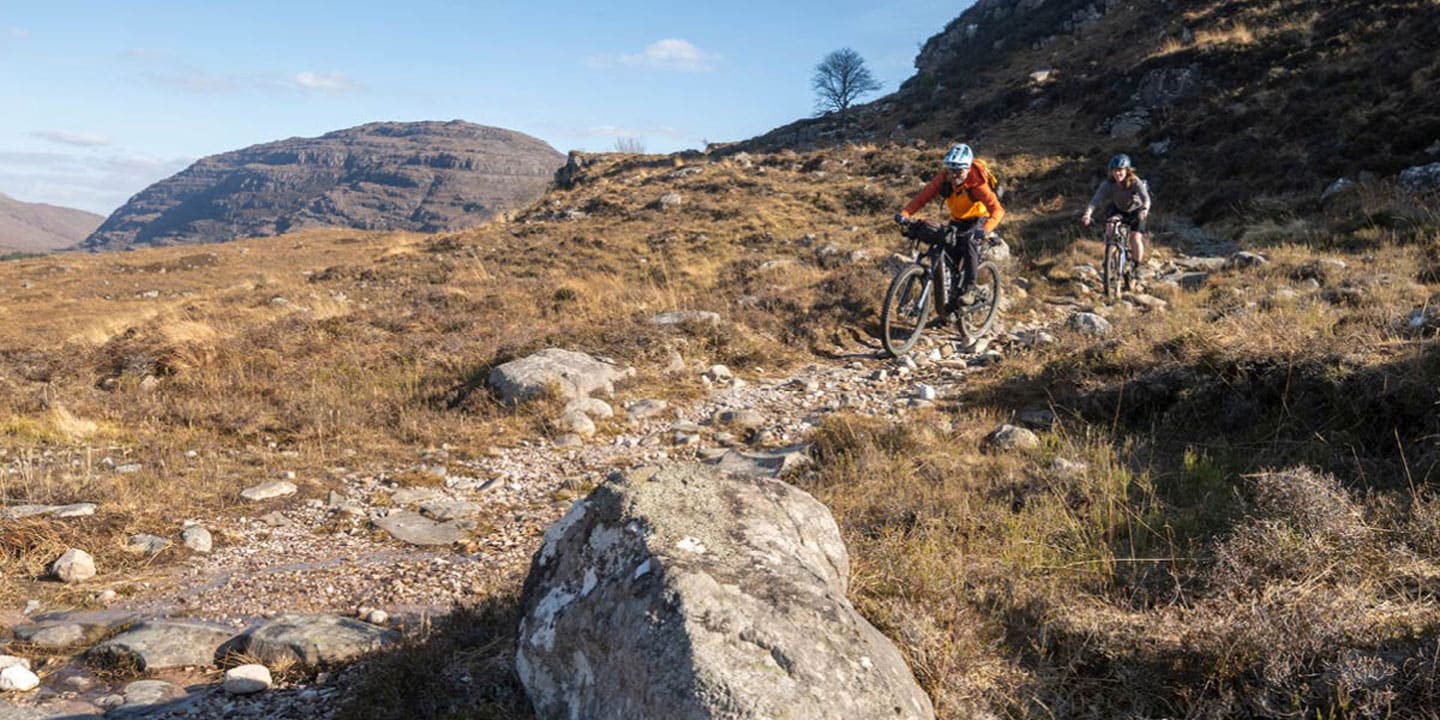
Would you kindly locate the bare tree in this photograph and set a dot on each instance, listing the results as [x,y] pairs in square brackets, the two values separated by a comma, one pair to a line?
[630,144]
[840,79]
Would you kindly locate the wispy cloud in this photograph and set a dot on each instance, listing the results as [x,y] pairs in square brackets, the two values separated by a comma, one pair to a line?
[195,82]
[668,54]
[96,183]
[333,83]
[72,138]
[15,32]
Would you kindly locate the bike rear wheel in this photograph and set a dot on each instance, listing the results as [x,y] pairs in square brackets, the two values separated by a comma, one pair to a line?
[1112,269]
[978,317]
[907,309]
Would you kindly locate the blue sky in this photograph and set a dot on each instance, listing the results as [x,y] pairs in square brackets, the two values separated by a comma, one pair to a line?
[100,99]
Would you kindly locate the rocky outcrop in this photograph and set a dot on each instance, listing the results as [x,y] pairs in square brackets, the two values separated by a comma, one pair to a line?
[37,227]
[424,176]
[684,593]
[568,373]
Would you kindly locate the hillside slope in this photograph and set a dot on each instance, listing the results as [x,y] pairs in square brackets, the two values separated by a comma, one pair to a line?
[38,227]
[1227,105]
[424,176]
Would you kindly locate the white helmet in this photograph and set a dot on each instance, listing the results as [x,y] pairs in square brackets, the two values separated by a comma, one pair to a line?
[959,158]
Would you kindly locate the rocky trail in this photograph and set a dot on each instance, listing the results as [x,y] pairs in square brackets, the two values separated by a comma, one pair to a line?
[319,581]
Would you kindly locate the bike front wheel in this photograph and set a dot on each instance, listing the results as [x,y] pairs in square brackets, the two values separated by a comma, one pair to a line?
[907,309]
[978,317]
[1112,269]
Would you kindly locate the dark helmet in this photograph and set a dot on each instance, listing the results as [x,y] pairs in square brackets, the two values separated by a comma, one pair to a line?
[1120,162]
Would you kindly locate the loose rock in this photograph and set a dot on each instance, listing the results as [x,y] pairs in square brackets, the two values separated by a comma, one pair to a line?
[269,490]
[74,565]
[247,679]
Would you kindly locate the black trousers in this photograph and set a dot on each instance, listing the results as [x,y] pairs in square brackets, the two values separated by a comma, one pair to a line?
[965,254]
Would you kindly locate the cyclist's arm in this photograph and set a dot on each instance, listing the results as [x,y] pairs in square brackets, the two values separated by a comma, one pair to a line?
[927,193]
[1144,192]
[1102,194]
[986,197]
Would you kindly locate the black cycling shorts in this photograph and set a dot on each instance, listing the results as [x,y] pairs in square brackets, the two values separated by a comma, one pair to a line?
[1129,218]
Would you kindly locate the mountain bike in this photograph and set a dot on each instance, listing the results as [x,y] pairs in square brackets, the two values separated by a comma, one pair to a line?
[1114,272]
[924,284]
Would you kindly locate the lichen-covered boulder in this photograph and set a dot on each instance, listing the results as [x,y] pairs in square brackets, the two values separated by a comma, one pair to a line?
[688,593]
[568,373]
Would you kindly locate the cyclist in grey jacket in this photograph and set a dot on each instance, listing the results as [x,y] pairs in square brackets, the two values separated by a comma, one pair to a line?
[1123,193]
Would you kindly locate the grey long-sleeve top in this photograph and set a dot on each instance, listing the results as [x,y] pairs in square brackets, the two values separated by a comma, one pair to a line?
[1135,197]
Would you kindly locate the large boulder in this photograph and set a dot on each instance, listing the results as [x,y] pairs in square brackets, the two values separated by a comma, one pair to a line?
[687,593]
[571,374]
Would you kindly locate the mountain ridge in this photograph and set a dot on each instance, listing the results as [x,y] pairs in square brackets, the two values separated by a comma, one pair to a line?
[421,176]
[28,227]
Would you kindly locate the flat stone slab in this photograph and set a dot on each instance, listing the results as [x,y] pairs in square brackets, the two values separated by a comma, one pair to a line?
[416,529]
[680,317]
[142,697]
[73,510]
[56,634]
[268,490]
[313,640]
[762,463]
[158,644]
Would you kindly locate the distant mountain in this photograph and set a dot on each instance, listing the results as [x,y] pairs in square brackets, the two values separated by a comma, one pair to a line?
[37,227]
[422,176]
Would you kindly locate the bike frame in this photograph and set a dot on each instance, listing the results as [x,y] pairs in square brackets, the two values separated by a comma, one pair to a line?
[938,266]
[1118,233]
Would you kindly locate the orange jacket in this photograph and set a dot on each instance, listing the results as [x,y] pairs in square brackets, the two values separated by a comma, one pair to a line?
[972,199]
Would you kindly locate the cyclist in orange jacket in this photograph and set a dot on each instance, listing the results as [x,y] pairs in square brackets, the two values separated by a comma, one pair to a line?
[974,208]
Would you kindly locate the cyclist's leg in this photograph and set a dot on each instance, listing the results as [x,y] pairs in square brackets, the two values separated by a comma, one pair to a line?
[968,252]
[1137,238]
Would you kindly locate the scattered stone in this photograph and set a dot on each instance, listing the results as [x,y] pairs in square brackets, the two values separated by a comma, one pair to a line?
[752,601]
[247,679]
[159,644]
[1068,469]
[593,407]
[578,423]
[416,529]
[197,539]
[1089,324]
[141,695]
[1148,302]
[569,440]
[447,510]
[313,640]
[926,392]
[1339,186]
[377,617]
[18,678]
[1245,259]
[686,317]
[146,544]
[741,419]
[1009,437]
[1036,418]
[128,468]
[571,375]
[1421,177]
[762,463]
[670,200]
[1193,280]
[719,373]
[74,565]
[269,490]
[645,409]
